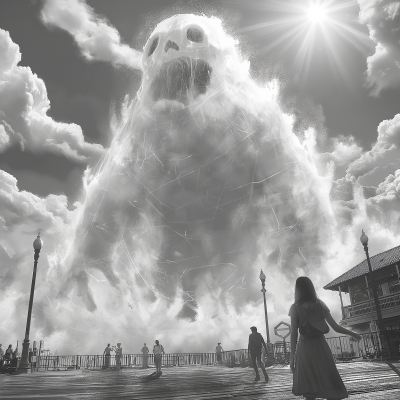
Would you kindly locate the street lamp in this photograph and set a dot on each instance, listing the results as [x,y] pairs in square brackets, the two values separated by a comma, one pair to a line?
[262,278]
[364,241]
[270,350]
[24,366]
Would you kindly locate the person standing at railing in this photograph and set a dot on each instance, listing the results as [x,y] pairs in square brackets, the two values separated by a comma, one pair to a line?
[314,370]
[107,356]
[118,355]
[256,342]
[145,351]
[158,351]
[218,351]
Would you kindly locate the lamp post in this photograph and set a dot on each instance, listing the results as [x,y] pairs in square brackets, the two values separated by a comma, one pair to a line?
[270,351]
[24,366]
[262,278]
[364,241]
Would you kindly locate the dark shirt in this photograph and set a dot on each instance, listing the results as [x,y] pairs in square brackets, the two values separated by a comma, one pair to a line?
[256,342]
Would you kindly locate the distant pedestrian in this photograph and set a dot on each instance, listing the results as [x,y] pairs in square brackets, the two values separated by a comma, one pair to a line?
[256,342]
[218,351]
[314,370]
[9,352]
[118,355]
[158,351]
[145,351]
[107,356]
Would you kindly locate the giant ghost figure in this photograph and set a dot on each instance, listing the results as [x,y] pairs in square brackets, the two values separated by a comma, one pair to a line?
[202,184]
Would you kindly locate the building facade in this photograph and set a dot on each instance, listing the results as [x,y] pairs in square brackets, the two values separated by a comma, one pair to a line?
[360,316]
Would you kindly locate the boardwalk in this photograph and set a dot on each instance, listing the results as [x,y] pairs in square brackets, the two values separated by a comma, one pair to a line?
[364,380]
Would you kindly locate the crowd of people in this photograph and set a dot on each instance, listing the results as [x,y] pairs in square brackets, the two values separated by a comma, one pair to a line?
[158,351]
[8,355]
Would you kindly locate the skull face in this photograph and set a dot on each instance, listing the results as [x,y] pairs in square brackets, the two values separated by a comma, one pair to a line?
[180,56]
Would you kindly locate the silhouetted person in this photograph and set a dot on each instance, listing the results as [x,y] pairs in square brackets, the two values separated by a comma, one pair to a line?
[158,351]
[218,351]
[314,370]
[118,355]
[256,342]
[145,351]
[107,356]
[9,352]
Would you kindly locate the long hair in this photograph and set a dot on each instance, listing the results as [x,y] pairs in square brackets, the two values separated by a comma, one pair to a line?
[304,290]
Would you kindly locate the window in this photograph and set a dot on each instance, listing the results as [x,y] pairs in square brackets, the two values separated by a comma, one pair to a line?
[378,289]
[394,286]
[359,293]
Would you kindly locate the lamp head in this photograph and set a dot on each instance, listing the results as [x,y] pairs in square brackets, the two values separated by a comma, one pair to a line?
[363,238]
[262,276]
[37,244]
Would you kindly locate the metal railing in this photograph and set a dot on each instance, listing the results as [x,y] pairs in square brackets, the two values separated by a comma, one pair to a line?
[343,349]
[367,307]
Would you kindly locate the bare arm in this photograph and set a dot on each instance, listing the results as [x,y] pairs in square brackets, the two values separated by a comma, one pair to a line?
[293,335]
[339,329]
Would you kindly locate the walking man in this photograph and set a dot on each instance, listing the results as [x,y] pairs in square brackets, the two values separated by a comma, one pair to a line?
[256,342]
[145,351]
[158,351]
[218,351]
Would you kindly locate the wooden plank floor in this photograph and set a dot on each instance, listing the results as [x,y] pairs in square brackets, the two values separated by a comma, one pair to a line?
[364,380]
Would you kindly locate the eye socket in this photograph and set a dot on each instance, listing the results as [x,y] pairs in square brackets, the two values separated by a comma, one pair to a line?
[153,46]
[195,35]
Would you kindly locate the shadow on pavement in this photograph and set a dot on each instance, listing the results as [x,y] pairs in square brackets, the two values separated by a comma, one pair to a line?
[152,377]
[394,368]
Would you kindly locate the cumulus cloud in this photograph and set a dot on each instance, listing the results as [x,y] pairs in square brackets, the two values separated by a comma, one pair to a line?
[96,39]
[23,112]
[384,158]
[22,214]
[383,20]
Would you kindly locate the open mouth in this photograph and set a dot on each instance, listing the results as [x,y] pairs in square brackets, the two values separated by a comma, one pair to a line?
[180,77]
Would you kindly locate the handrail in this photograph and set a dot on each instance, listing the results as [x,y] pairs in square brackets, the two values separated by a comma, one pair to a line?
[343,348]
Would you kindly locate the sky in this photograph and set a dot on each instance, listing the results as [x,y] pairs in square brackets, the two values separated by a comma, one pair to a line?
[70,72]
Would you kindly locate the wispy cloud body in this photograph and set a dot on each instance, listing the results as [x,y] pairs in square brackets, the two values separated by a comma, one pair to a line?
[96,38]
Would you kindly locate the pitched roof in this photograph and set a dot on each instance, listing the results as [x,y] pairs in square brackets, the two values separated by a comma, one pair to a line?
[378,261]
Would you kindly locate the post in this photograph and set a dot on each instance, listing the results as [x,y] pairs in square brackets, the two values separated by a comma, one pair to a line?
[341,301]
[24,366]
[374,292]
[364,241]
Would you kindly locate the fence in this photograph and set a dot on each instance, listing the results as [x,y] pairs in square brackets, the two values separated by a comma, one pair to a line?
[343,348]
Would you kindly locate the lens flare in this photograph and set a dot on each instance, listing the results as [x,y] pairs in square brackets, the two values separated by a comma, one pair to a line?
[297,29]
[317,14]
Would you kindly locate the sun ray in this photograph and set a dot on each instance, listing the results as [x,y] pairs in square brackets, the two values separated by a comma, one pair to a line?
[302,25]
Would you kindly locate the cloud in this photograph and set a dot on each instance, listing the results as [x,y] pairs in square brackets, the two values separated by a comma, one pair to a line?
[383,20]
[96,39]
[384,157]
[23,112]
[22,214]
[387,201]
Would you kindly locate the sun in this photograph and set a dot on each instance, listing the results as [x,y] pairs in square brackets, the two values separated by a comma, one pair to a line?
[316,14]
[306,30]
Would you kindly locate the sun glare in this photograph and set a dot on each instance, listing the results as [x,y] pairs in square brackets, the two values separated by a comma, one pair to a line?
[305,29]
[316,14]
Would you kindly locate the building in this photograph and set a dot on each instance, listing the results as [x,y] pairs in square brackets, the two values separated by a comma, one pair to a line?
[361,311]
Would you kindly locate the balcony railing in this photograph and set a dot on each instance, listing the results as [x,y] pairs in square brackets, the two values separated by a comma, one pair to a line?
[386,303]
